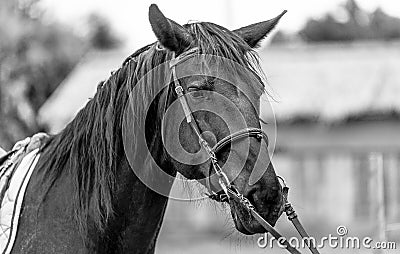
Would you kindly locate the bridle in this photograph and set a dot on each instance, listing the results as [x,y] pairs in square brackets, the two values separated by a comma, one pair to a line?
[229,192]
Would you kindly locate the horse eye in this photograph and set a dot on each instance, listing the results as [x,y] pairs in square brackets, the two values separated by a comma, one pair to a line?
[195,92]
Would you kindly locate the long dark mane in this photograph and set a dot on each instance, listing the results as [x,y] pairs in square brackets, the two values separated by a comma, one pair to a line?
[90,146]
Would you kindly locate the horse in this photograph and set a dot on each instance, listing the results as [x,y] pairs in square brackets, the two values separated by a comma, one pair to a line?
[85,196]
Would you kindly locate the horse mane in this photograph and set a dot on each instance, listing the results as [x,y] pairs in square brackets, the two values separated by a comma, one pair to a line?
[90,147]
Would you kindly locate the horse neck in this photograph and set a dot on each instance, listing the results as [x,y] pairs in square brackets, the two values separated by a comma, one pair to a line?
[144,213]
[139,214]
[91,148]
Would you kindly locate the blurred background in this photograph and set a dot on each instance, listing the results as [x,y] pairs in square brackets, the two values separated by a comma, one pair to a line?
[333,70]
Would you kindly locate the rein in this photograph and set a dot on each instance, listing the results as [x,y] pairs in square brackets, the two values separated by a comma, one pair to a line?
[229,191]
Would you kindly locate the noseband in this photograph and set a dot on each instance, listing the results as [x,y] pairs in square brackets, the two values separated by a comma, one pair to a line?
[229,191]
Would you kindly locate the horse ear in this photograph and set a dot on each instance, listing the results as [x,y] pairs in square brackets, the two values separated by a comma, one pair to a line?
[253,34]
[169,33]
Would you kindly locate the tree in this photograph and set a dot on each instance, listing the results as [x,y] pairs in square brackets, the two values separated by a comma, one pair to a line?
[34,58]
[384,26]
[101,35]
[359,25]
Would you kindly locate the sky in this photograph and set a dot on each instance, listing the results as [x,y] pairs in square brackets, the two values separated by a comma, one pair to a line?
[129,18]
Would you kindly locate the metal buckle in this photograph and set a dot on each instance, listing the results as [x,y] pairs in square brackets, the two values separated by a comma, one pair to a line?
[179,90]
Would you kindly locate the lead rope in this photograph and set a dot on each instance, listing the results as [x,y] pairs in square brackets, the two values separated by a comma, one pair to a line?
[250,208]
[228,189]
[292,216]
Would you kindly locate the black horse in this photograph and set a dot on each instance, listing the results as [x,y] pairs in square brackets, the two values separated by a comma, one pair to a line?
[85,196]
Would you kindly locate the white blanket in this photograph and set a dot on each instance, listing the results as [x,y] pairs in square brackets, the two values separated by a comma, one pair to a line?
[2,152]
[12,201]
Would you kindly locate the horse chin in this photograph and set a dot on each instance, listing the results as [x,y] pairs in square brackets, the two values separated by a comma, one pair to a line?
[244,221]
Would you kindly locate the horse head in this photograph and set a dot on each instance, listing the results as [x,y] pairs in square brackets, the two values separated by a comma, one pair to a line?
[222,87]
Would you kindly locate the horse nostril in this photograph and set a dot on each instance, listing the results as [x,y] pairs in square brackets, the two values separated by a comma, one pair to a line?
[251,194]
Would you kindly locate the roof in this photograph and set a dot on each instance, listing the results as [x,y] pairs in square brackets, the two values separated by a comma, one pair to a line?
[323,83]
[80,85]
[335,82]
